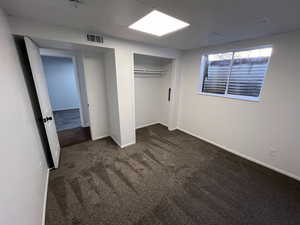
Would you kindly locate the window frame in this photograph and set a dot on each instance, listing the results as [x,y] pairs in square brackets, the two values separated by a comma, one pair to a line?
[226,95]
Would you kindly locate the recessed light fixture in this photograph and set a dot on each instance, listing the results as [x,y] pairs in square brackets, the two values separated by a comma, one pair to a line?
[158,23]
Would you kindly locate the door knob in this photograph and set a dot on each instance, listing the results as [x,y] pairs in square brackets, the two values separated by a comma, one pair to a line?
[47,119]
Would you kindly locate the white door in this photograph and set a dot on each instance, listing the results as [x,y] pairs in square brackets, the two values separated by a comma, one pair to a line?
[42,93]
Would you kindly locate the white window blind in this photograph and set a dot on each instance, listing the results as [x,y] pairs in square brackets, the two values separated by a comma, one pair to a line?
[236,73]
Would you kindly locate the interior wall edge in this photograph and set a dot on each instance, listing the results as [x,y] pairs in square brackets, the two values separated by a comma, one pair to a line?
[124,64]
[45,198]
[281,171]
[82,89]
[112,98]
[128,144]
[116,140]
[175,94]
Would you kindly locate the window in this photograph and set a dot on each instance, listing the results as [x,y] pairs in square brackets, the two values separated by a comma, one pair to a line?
[236,74]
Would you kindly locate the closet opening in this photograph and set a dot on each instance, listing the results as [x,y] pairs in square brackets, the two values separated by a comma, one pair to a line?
[152,80]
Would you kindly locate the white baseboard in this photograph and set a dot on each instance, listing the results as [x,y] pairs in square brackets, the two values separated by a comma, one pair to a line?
[118,143]
[64,109]
[115,140]
[243,156]
[45,199]
[161,123]
[146,125]
[99,137]
[123,146]
[150,124]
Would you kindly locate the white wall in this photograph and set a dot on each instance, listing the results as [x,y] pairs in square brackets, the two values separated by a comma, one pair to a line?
[125,90]
[147,101]
[266,131]
[84,116]
[96,94]
[112,96]
[24,169]
[61,82]
[124,51]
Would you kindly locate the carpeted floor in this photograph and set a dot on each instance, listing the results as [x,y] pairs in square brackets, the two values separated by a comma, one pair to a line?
[67,119]
[167,178]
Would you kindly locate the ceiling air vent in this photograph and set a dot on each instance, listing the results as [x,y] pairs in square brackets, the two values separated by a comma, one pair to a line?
[95,38]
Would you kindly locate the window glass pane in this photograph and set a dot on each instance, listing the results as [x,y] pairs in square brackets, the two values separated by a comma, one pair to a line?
[255,53]
[216,72]
[248,71]
[220,56]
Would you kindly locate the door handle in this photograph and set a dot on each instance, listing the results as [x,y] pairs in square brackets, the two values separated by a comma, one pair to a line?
[47,119]
[169,94]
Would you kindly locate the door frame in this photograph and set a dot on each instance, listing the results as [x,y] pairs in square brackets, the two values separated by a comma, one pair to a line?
[82,96]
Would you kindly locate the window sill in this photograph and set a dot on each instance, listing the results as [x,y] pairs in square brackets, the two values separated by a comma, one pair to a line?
[238,97]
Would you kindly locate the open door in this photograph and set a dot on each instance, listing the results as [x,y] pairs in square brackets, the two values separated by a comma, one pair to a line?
[43,96]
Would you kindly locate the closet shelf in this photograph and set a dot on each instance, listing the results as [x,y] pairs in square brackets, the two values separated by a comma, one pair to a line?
[148,72]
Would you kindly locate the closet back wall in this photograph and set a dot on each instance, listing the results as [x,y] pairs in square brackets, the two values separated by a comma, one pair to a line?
[147,101]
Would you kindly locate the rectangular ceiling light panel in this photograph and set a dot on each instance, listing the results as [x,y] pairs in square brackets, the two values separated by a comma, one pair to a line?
[158,23]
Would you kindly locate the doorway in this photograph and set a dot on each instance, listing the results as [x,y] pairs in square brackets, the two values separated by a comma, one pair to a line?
[91,76]
[65,96]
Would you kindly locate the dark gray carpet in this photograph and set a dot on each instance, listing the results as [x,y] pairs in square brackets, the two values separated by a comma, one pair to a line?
[167,178]
[67,119]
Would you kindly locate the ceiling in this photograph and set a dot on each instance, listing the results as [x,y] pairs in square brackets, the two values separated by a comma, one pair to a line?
[212,21]
[69,47]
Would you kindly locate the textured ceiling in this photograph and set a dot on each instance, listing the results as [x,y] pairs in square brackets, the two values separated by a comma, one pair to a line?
[212,21]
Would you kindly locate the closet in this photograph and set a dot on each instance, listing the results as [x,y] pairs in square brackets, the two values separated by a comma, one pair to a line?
[152,78]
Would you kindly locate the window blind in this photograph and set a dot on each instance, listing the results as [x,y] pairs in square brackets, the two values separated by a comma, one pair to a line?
[247,76]
[216,73]
[239,73]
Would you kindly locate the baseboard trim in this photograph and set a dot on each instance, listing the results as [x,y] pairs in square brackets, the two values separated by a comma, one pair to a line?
[126,145]
[147,125]
[45,199]
[114,139]
[99,137]
[150,124]
[283,172]
[66,109]
[165,125]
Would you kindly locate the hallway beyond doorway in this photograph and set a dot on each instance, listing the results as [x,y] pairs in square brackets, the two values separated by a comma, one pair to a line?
[67,119]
